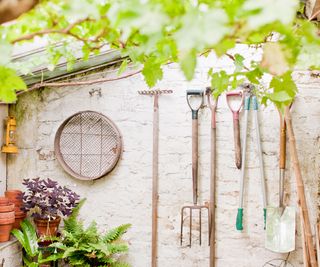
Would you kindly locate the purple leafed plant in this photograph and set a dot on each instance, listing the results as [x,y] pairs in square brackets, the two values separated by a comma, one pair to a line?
[46,199]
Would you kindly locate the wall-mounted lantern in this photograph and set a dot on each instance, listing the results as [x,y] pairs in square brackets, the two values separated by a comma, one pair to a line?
[10,145]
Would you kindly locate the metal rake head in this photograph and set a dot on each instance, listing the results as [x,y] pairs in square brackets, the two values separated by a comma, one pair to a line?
[190,208]
[155,92]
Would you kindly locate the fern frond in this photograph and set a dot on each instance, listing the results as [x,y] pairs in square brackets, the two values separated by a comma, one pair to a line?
[115,248]
[71,224]
[119,264]
[116,233]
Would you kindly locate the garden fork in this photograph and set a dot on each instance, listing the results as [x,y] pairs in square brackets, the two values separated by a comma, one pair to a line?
[193,97]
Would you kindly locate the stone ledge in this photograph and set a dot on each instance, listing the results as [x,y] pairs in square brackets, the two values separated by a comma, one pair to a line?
[11,252]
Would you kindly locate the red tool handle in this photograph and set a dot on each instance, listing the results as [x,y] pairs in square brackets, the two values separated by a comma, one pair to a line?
[240,95]
[237,143]
[236,124]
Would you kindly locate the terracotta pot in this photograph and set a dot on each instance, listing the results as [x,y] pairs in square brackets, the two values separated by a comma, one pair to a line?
[4,201]
[6,222]
[6,215]
[14,196]
[19,217]
[18,209]
[16,203]
[46,227]
[6,208]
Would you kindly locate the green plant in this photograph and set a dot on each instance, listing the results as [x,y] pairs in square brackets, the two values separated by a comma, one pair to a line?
[33,256]
[151,34]
[87,247]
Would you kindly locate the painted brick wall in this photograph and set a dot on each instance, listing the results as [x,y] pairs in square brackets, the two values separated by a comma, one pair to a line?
[124,196]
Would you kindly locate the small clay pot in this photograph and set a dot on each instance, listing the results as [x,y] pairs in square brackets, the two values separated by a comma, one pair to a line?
[13,194]
[7,208]
[4,201]
[5,229]
[46,227]
[19,217]
[6,221]
[6,215]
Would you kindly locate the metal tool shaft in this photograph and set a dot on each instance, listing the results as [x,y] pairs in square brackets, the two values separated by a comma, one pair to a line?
[263,181]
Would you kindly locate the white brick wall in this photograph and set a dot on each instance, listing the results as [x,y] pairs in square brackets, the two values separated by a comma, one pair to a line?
[124,196]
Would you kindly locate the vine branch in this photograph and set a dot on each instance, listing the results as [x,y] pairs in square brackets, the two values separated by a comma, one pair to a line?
[75,83]
[65,31]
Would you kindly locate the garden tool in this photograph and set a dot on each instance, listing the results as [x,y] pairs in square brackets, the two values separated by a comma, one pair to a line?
[213,106]
[318,243]
[280,225]
[236,125]
[248,99]
[155,156]
[195,102]
[304,212]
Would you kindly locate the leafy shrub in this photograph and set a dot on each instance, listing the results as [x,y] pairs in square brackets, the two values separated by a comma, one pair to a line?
[87,247]
[46,199]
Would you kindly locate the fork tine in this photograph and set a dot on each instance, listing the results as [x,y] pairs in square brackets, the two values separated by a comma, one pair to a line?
[184,217]
[190,225]
[181,226]
[209,226]
[200,225]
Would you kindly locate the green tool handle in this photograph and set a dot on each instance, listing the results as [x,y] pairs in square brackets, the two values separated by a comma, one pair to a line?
[239,224]
[264,218]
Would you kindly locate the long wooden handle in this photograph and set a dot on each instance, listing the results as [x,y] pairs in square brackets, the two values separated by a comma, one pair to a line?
[155,196]
[195,160]
[282,159]
[282,162]
[237,143]
[212,197]
[300,189]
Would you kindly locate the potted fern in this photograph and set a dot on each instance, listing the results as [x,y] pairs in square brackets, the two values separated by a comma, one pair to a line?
[46,201]
[33,254]
[87,247]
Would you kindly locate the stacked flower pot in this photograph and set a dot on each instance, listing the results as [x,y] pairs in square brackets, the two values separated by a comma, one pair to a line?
[7,218]
[15,197]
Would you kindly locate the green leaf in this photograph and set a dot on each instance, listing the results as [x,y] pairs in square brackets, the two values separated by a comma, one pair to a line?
[115,233]
[284,90]
[29,263]
[152,71]
[52,257]
[188,64]
[267,11]
[224,46]
[281,96]
[197,29]
[238,62]
[123,66]
[10,82]
[28,238]
[219,82]
[254,76]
